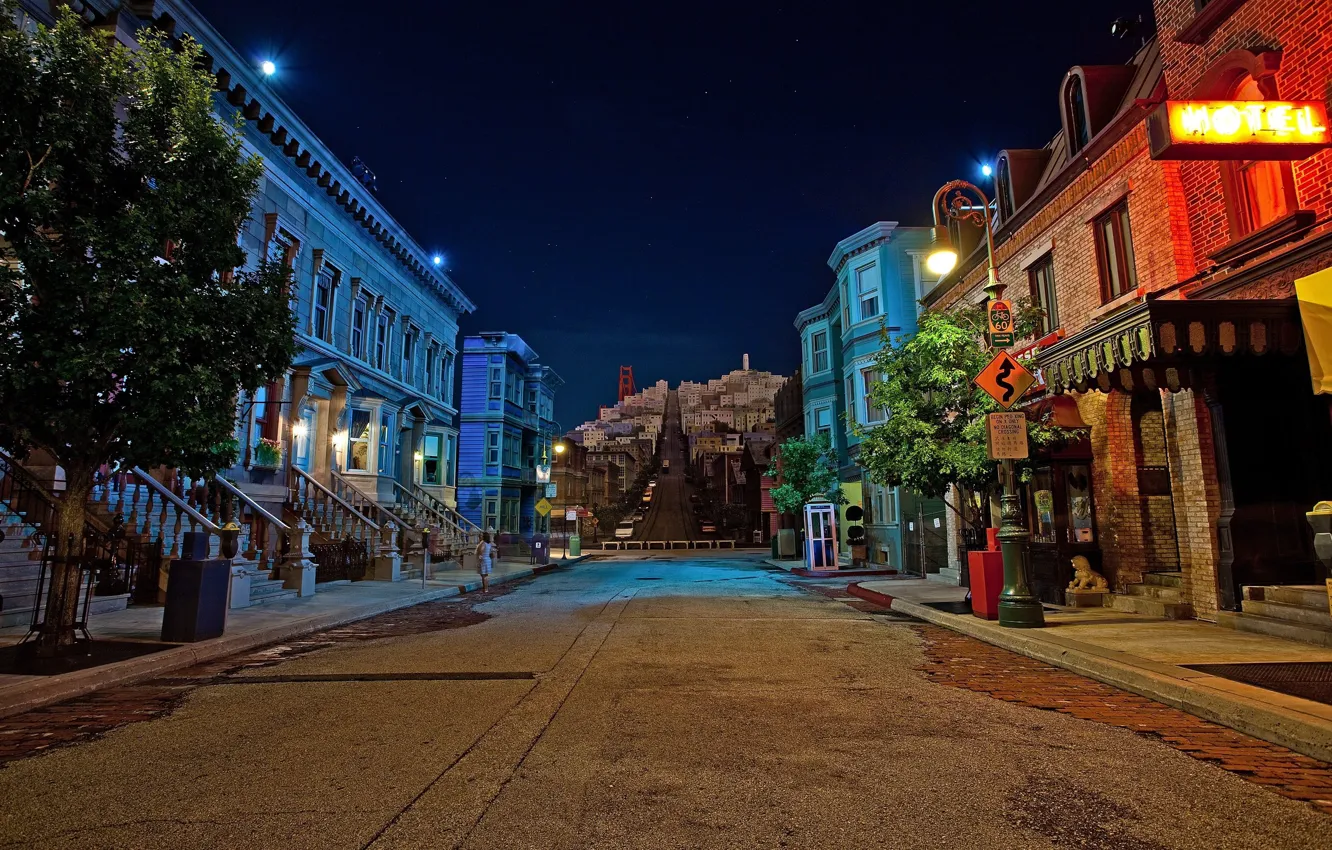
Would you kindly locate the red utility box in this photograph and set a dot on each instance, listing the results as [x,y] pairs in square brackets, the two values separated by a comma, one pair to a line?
[987,578]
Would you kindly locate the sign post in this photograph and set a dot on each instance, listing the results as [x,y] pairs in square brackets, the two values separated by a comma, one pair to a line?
[1006,381]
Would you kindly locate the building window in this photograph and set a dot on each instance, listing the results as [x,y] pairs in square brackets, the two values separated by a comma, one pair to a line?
[823,421]
[408,355]
[385,444]
[1040,275]
[820,362]
[496,382]
[846,308]
[1258,192]
[323,304]
[869,378]
[383,332]
[849,399]
[432,353]
[1114,252]
[358,441]
[867,289]
[489,513]
[450,458]
[359,311]
[1075,111]
[431,459]
[532,400]
[493,446]
[446,376]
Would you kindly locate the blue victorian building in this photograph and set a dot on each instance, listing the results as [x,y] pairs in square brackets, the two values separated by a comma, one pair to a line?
[508,430]
[879,280]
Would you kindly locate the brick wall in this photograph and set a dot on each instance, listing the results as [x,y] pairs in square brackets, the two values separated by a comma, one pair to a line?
[1302,31]
[1197,497]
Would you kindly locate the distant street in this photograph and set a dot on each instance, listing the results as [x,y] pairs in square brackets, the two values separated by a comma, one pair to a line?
[653,701]
[670,517]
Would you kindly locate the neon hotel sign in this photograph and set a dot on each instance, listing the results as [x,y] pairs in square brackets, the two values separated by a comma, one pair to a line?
[1238,129]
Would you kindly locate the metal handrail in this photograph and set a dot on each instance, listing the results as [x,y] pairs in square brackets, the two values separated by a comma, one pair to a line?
[254,506]
[335,497]
[175,500]
[31,483]
[444,510]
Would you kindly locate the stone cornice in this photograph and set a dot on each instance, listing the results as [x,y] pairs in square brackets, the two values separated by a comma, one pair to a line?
[858,243]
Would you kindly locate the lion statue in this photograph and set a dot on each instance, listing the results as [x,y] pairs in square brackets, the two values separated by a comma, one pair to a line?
[1085,578]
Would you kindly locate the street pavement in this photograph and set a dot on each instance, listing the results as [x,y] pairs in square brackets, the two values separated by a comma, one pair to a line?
[671,516]
[675,701]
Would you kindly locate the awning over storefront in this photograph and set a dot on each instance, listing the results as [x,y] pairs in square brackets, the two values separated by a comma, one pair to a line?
[1315,296]
[1160,343]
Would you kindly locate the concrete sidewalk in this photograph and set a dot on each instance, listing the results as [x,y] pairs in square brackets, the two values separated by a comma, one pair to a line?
[1145,655]
[247,628]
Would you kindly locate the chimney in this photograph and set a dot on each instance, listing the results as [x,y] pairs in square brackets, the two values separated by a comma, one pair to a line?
[746,364]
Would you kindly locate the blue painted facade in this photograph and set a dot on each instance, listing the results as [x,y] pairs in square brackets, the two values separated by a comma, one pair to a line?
[508,428]
[879,281]
[370,393]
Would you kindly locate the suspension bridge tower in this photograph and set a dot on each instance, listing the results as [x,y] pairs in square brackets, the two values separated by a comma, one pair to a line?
[626,382]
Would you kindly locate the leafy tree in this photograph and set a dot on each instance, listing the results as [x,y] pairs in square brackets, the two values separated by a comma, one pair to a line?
[807,468]
[127,331]
[934,434]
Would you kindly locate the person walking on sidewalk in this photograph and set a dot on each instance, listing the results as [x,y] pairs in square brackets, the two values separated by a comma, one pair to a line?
[486,555]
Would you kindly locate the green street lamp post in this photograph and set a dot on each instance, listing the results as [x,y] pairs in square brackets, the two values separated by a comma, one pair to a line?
[959,200]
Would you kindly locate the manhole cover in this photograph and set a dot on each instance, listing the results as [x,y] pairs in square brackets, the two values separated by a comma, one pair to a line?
[651,578]
[1307,679]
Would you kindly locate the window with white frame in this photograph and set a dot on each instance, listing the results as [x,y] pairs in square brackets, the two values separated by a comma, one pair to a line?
[446,376]
[850,397]
[358,441]
[496,382]
[823,421]
[490,513]
[493,446]
[820,342]
[432,448]
[450,457]
[385,443]
[867,290]
[846,307]
[869,378]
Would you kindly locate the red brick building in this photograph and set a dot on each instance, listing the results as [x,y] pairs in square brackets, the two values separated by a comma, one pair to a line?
[1172,322]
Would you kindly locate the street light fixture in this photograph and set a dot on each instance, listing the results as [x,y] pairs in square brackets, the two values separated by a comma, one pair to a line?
[959,200]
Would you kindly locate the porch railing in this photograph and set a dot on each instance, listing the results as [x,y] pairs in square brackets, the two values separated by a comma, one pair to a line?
[455,532]
[262,533]
[370,507]
[331,515]
[150,509]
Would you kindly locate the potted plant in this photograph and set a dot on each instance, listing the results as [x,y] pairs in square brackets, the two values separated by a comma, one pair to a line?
[268,454]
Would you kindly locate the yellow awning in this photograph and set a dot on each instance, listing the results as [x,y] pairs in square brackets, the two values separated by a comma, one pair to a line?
[1315,296]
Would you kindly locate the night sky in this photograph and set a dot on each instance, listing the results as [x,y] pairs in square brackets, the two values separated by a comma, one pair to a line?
[661,184]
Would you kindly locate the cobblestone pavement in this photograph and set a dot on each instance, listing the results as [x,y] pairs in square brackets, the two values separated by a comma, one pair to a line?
[964,662]
[88,717]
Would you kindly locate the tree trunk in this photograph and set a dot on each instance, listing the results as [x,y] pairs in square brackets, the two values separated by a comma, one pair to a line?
[62,603]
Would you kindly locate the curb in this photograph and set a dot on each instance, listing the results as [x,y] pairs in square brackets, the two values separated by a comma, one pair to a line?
[36,692]
[877,598]
[1241,707]
[804,573]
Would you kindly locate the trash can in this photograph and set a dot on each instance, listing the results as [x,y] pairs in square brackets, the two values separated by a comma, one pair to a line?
[196,594]
[575,545]
[986,570]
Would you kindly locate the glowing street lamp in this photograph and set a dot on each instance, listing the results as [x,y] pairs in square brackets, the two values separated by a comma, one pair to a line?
[1018,606]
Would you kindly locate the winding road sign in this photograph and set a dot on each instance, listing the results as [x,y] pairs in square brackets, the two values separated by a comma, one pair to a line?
[1005,379]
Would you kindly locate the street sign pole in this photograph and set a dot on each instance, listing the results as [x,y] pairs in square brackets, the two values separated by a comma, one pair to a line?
[1006,381]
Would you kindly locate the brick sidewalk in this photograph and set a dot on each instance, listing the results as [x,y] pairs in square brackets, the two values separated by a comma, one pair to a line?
[89,717]
[964,662]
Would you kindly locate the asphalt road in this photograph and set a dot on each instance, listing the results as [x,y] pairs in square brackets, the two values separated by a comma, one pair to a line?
[676,702]
[671,516]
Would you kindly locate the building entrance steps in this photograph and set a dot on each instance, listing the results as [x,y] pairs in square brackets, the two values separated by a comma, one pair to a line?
[1147,655]
[1296,612]
[1158,595]
[247,628]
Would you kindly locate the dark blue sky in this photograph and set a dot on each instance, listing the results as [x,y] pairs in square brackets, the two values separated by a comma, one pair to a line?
[660,184]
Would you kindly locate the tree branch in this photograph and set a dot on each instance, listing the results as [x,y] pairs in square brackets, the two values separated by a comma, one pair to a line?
[32,167]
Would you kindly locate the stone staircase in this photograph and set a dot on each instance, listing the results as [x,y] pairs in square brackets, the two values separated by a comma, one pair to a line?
[1297,612]
[1159,595]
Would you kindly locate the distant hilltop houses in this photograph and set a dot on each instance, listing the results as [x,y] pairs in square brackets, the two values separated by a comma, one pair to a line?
[738,406]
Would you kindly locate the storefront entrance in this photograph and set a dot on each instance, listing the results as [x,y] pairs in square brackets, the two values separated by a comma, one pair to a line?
[1061,516]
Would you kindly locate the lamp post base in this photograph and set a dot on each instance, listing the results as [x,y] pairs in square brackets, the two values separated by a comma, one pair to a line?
[1017,613]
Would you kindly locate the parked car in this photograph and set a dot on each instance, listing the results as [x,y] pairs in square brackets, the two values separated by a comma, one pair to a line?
[625,529]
